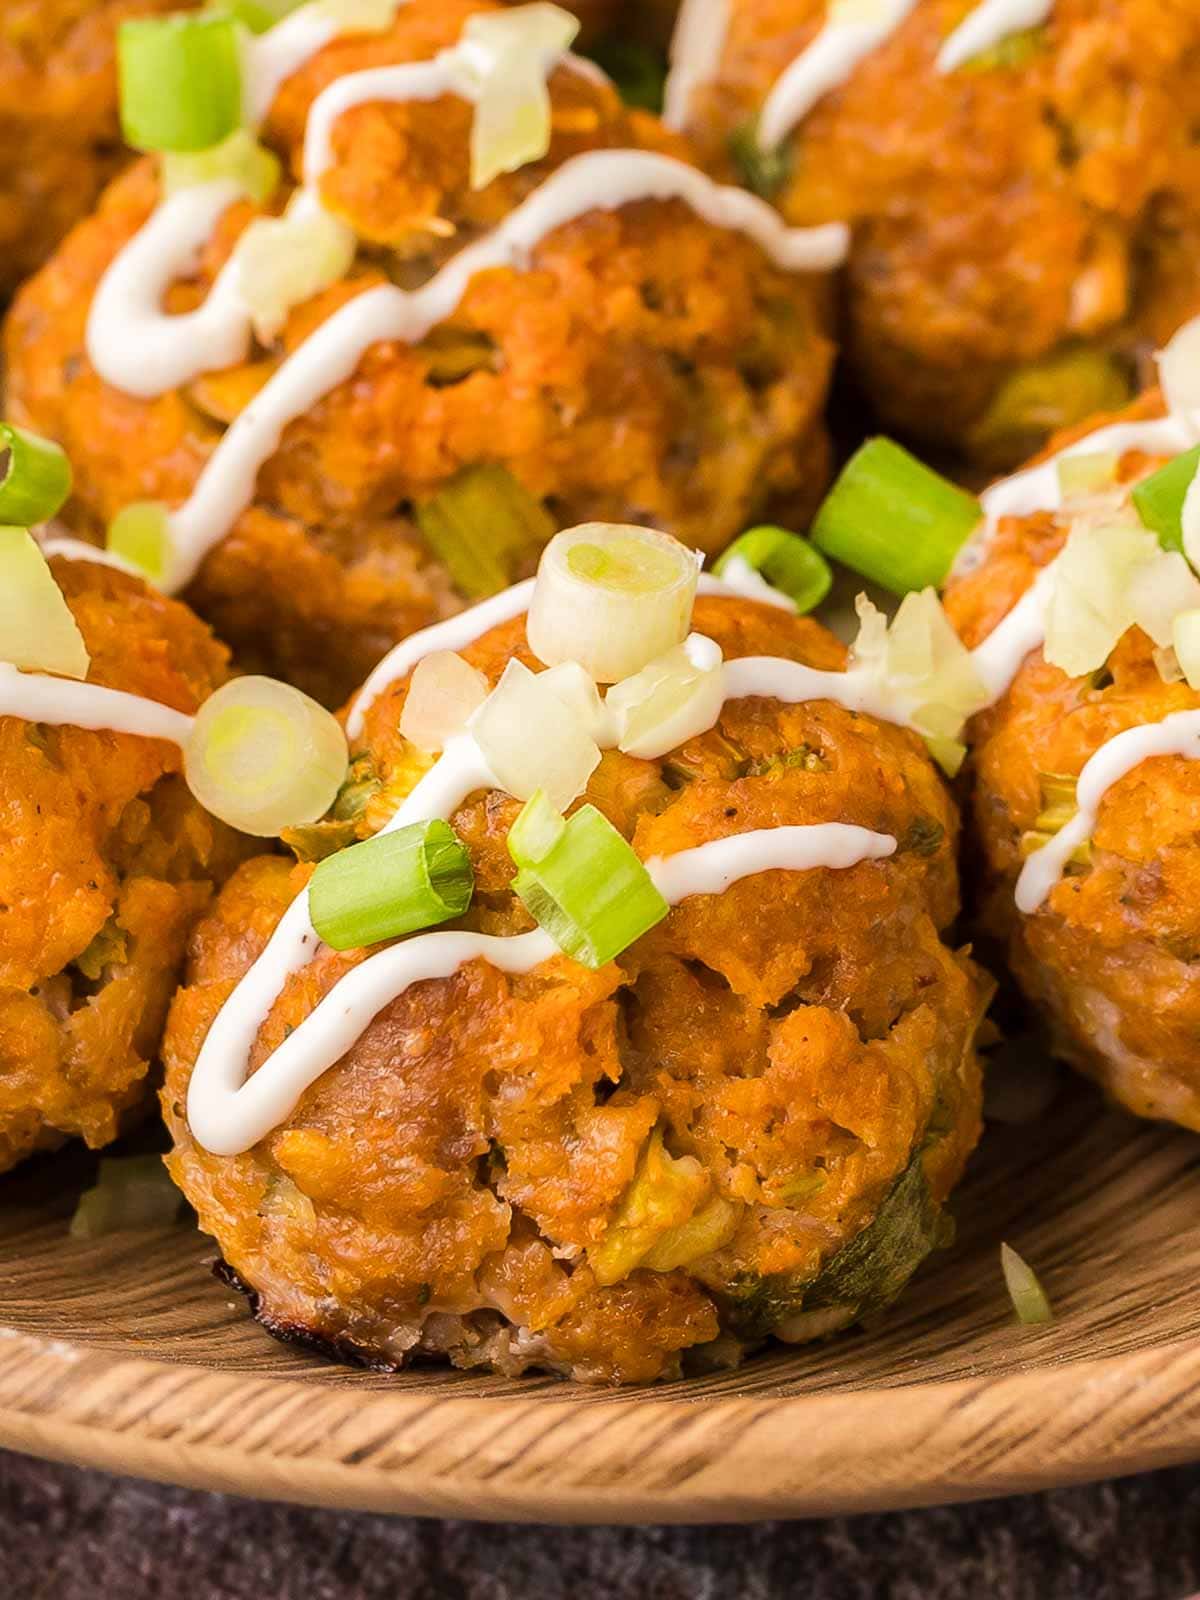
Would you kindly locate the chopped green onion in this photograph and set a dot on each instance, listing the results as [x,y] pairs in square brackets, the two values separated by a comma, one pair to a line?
[763,172]
[37,478]
[391,885]
[259,15]
[508,59]
[240,159]
[37,629]
[1015,50]
[536,831]
[787,562]
[1028,1297]
[130,1192]
[894,520]
[1159,498]
[485,527]
[181,81]
[584,885]
[1056,392]
[264,757]
[1087,473]
[639,72]
[141,535]
[313,841]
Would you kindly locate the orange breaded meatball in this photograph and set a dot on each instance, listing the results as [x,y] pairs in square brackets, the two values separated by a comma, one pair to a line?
[646,367]
[107,862]
[1110,957]
[60,142]
[747,1124]
[1026,228]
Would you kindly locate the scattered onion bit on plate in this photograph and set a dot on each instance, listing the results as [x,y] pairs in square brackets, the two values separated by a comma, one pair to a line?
[130,1192]
[264,757]
[1029,1299]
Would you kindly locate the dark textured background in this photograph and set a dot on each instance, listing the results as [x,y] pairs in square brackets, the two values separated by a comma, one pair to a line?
[70,1535]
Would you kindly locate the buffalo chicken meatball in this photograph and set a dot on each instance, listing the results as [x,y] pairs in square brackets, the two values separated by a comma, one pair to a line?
[639,364]
[1025,224]
[747,1124]
[107,862]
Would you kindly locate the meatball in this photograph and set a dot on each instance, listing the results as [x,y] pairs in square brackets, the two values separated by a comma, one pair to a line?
[59,138]
[649,366]
[1025,227]
[747,1124]
[107,862]
[1110,956]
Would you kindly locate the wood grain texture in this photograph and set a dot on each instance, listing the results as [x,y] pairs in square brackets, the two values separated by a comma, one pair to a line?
[127,1354]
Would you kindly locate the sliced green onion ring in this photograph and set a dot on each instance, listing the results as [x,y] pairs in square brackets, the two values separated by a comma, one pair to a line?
[1159,498]
[1029,1299]
[181,81]
[785,561]
[37,478]
[264,757]
[894,520]
[141,535]
[239,159]
[391,885]
[583,883]
[612,598]
[37,629]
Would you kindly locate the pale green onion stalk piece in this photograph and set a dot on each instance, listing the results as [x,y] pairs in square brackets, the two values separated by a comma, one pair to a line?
[785,561]
[284,261]
[1055,392]
[37,477]
[674,699]
[444,693]
[1087,474]
[894,520]
[264,757]
[259,15]
[1028,1297]
[37,630]
[536,831]
[181,81]
[584,884]
[485,527]
[612,598]
[1186,639]
[131,1192]
[532,740]
[141,534]
[1159,498]
[391,885]
[508,56]
[239,159]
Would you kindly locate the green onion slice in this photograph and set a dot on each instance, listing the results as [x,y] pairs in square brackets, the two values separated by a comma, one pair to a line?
[894,520]
[240,159]
[181,81]
[36,481]
[38,630]
[1159,498]
[787,562]
[639,72]
[130,1192]
[582,882]
[1029,1299]
[141,535]
[485,527]
[391,885]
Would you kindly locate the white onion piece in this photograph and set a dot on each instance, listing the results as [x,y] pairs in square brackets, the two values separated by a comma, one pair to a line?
[1159,590]
[264,757]
[1179,375]
[674,699]
[1186,640]
[1190,520]
[611,598]
[578,692]
[506,58]
[532,741]
[358,16]
[919,665]
[37,629]
[445,693]
[284,261]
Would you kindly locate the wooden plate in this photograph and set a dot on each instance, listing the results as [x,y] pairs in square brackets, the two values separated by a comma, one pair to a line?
[127,1354]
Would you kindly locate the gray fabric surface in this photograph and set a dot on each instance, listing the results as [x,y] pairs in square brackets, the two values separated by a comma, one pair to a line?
[71,1535]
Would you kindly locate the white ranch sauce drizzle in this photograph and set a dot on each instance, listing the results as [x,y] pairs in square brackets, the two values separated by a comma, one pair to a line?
[1176,735]
[229,1112]
[741,578]
[828,60]
[37,697]
[79,550]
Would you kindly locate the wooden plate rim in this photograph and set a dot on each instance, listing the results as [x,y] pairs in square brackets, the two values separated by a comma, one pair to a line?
[604,1460]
